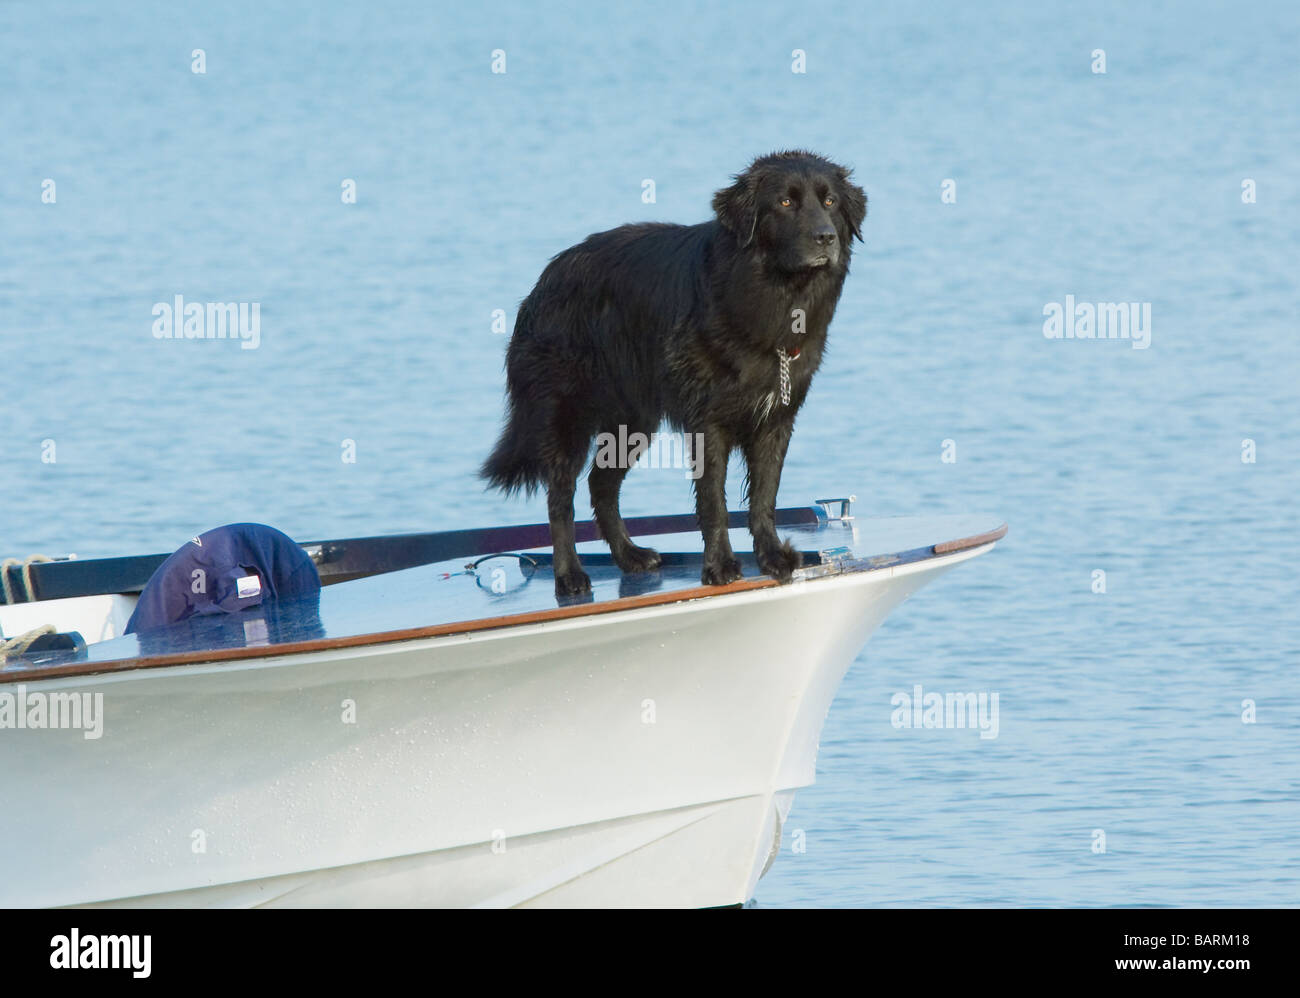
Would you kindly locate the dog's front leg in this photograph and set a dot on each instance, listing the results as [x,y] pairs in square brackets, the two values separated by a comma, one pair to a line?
[765,457]
[720,564]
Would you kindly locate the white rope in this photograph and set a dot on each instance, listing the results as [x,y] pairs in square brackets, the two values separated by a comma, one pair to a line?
[29,594]
[17,645]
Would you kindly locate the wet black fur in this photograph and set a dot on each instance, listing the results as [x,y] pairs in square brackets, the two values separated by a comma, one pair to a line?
[679,322]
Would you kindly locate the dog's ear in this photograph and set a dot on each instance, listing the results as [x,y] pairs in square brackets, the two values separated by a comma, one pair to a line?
[853,203]
[737,207]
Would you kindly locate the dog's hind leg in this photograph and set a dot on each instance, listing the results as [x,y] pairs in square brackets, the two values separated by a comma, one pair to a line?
[570,579]
[605,483]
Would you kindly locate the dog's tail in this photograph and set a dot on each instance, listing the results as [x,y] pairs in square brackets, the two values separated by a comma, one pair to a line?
[515,464]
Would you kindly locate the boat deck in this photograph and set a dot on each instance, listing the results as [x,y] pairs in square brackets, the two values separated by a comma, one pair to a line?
[465,594]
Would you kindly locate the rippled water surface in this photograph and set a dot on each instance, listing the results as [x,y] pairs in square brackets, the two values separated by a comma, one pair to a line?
[1119,712]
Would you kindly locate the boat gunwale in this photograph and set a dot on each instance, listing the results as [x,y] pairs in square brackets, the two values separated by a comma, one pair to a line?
[345,559]
[217,655]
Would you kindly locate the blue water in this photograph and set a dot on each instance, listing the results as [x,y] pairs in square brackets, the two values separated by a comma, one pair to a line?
[1119,711]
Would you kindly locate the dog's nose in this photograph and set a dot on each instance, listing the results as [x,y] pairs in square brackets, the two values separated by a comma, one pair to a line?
[824,237]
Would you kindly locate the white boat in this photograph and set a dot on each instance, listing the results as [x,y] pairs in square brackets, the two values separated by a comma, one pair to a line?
[432,735]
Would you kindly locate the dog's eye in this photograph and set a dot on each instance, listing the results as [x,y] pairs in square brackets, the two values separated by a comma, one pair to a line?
[828,202]
[786,202]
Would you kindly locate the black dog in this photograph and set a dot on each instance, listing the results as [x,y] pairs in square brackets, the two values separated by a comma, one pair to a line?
[719,327]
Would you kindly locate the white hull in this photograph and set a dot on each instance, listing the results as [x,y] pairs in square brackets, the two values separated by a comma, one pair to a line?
[645,757]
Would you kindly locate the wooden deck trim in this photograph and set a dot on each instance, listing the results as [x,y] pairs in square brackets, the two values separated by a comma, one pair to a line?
[438,630]
[964,543]
[383,637]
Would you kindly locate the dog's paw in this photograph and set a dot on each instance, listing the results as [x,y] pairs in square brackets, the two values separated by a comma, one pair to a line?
[574,582]
[778,561]
[633,559]
[720,571]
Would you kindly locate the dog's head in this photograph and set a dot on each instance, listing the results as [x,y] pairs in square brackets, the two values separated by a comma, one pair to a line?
[798,208]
